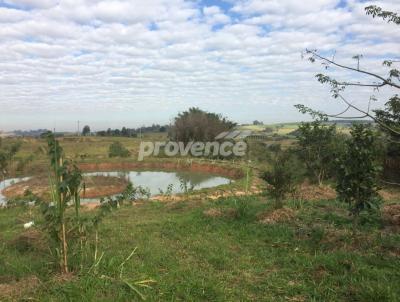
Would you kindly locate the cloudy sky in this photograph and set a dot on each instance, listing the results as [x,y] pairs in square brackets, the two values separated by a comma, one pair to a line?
[116,63]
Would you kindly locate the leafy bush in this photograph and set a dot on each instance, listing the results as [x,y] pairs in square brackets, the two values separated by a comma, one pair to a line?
[358,171]
[118,150]
[283,176]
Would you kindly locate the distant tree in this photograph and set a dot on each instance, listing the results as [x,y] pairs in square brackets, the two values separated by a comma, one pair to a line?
[124,131]
[256,123]
[358,170]
[86,130]
[116,149]
[198,125]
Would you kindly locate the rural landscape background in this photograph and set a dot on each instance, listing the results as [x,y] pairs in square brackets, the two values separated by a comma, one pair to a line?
[309,212]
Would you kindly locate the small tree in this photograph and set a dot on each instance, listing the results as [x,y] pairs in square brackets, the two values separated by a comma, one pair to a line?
[118,150]
[317,147]
[358,171]
[65,184]
[86,130]
[282,177]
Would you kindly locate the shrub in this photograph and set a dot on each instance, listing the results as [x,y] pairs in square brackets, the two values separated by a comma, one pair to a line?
[358,171]
[118,150]
[198,125]
[283,176]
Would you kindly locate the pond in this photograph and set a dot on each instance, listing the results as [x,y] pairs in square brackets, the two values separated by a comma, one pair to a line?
[154,181]
[160,180]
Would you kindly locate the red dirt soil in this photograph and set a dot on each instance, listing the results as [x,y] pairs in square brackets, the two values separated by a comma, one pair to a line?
[96,186]
[234,173]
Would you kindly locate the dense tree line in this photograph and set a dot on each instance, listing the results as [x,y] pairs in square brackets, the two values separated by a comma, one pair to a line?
[133,132]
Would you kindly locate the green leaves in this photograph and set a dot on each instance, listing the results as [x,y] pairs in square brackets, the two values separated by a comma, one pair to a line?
[315,114]
[358,171]
[376,11]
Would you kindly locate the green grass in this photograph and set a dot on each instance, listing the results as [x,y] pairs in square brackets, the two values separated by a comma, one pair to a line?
[193,257]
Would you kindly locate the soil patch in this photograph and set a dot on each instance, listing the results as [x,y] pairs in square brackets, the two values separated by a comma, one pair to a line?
[96,186]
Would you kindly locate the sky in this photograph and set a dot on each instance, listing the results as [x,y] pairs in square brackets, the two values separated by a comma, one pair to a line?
[114,63]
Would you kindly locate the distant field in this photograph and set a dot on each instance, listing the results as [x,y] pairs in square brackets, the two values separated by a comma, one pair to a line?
[285,128]
[82,147]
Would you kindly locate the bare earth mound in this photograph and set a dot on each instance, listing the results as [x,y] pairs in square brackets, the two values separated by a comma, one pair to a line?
[96,186]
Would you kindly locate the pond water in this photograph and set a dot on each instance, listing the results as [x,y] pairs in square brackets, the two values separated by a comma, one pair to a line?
[160,180]
[154,181]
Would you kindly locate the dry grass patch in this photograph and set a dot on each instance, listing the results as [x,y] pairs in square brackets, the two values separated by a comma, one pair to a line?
[214,213]
[18,289]
[276,216]
[312,192]
[391,214]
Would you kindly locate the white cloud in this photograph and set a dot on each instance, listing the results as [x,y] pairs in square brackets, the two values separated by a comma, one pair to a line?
[127,59]
[40,4]
[282,6]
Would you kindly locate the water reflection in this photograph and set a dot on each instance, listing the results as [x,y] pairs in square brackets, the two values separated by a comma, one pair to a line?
[160,180]
[152,180]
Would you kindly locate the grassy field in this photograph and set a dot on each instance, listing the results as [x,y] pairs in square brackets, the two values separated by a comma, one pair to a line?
[229,249]
[92,147]
[285,128]
[226,254]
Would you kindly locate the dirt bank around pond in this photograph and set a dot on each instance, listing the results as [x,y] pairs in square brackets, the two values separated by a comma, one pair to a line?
[95,187]
[215,169]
